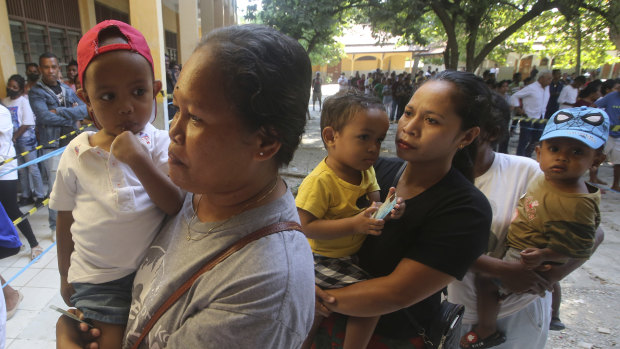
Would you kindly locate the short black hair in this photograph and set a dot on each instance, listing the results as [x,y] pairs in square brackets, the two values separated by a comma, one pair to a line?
[608,85]
[72,62]
[590,88]
[21,82]
[32,64]
[267,75]
[47,55]
[340,108]
[581,79]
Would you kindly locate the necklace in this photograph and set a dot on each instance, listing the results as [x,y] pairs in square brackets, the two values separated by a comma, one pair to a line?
[251,201]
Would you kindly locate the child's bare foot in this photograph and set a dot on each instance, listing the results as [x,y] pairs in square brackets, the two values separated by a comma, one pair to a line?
[12,299]
[473,339]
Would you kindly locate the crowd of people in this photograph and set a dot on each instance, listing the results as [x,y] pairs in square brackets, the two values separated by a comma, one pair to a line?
[141,213]
[535,97]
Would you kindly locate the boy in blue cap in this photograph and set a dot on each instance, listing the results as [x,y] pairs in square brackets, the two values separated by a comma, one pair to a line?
[558,216]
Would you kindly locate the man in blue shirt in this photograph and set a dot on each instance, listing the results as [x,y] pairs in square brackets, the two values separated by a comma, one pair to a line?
[58,111]
[611,104]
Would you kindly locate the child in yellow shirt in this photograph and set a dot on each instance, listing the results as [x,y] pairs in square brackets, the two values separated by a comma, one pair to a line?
[334,200]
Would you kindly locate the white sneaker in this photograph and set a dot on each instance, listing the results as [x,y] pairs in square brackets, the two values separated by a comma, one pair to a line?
[53,235]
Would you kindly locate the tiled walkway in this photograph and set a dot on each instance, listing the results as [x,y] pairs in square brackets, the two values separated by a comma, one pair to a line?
[33,325]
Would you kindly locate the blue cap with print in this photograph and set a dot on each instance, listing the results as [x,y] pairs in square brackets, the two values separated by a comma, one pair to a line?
[588,125]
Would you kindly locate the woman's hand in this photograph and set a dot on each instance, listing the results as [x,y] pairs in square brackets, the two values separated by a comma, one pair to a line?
[72,334]
[322,298]
[364,223]
[399,208]
[518,278]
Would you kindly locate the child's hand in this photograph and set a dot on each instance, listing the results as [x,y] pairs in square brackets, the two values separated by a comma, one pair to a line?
[399,209]
[70,335]
[127,148]
[532,257]
[66,291]
[365,224]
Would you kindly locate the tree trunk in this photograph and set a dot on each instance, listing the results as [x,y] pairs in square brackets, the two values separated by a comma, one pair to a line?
[451,54]
[537,9]
[578,38]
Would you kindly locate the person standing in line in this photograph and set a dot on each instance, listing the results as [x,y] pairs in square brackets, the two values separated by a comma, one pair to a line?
[8,182]
[554,92]
[72,73]
[387,97]
[568,96]
[534,97]
[9,297]
[525,315]
[316,90]
[611,104]
[24,139]
[403,94]
[607,87]
[343,83]
[57,110]
[394,107]
[533,73]
[32,76]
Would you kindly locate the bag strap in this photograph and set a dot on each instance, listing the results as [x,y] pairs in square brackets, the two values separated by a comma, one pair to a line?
[399,173]
[241,243]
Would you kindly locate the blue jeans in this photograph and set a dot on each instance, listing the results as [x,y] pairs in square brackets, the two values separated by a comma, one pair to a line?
[29,177]
[394,112]
[529,135]
[51,165]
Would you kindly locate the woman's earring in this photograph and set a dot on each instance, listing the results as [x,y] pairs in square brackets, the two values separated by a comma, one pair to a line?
[461,146]
[261,153]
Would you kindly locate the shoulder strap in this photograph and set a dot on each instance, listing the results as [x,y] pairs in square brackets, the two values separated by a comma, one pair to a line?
[241,243]
[399,173]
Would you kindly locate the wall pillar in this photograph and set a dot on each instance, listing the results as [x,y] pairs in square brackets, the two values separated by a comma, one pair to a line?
[146,16]
[218,13]
[88,18]
[227,12]
[206,17]
[8,66]
[188,28]
[352,65]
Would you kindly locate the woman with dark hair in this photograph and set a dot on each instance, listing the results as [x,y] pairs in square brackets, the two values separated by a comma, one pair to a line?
[503,178]
[17,131]
[25,140]
[446,221]
[242,98]
[589,94]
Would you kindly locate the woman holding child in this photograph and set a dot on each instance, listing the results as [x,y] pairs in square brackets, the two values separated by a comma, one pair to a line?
[524,315]
[236,124]
[446,221]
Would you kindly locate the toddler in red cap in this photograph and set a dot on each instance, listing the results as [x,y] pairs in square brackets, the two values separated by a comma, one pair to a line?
[112,190]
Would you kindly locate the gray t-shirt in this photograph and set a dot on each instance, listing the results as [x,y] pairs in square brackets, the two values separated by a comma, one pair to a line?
[261,296]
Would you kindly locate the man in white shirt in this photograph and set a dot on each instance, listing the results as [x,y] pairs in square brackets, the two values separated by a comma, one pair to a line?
[343,82]
[531,101]
[568,96]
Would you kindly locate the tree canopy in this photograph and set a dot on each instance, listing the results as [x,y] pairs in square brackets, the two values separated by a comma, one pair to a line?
[314,23]
[470,30]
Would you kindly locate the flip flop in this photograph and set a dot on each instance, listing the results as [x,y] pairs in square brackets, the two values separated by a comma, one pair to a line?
[35,252]
[471,340]
[10,313]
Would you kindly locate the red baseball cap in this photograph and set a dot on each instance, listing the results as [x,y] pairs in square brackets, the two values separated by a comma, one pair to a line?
[88,47]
